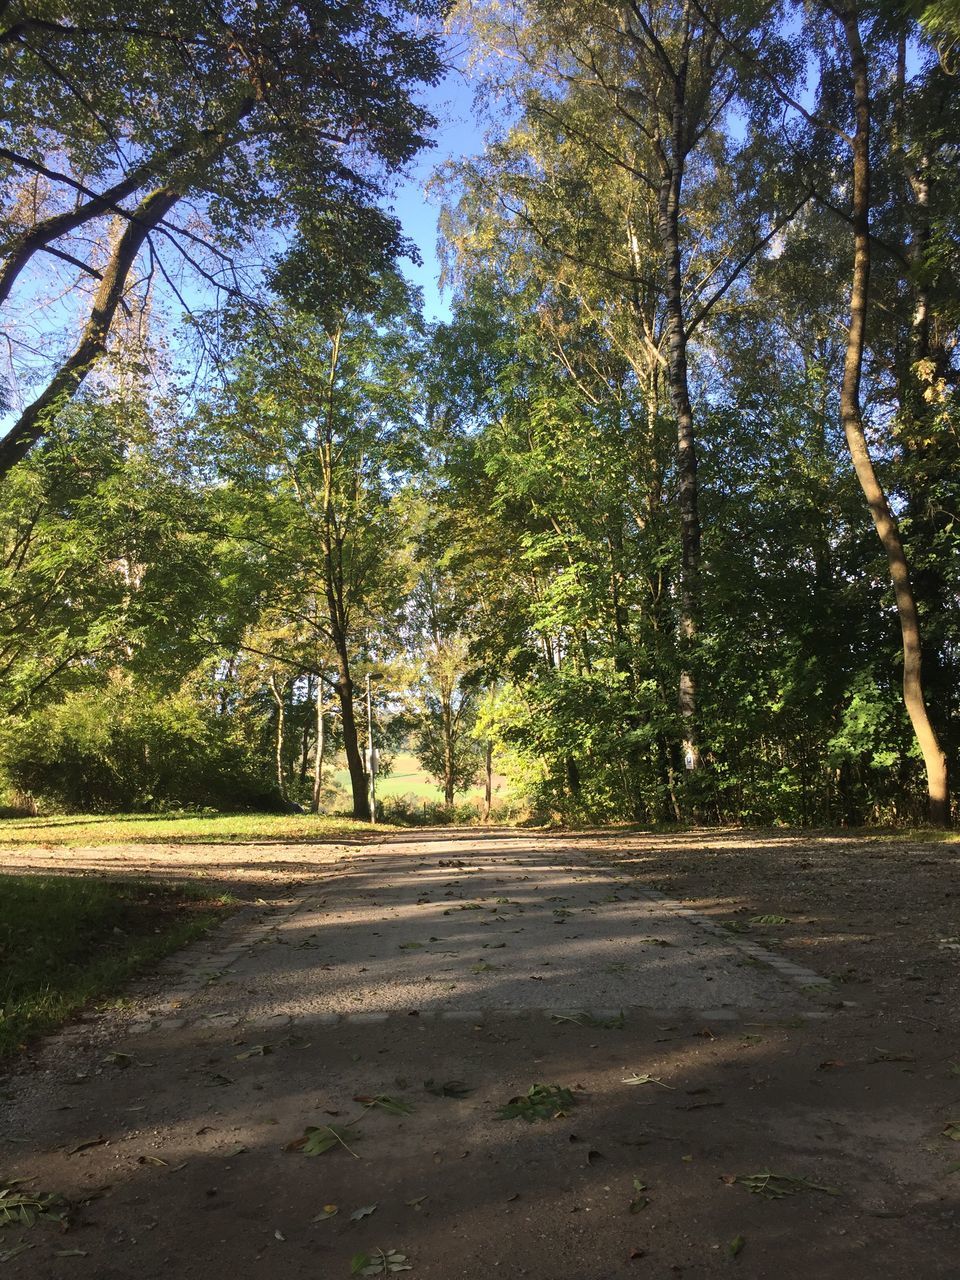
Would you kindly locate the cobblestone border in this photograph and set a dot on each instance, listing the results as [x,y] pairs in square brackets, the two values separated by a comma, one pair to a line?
[193,974]
[807,980]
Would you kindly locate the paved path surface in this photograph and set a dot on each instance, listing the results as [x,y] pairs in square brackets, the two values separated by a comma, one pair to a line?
[505,923]
[499,959]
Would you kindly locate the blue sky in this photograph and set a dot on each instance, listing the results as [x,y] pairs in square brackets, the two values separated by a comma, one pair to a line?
[459,134]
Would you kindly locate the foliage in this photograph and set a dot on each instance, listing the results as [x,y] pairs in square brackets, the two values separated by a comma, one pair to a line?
[121,747]
[601,521]
[274,125]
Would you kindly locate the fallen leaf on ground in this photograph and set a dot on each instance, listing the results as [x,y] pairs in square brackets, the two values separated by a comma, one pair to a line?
[256,1051]
[22,1208]
[639,1202]
[646,1079]
[8,1254]
[540,1102]
[318,1139]
[392,1106]
[117,1059]
[364,1211]
[90,1142]
[379,1263]
[774,1186]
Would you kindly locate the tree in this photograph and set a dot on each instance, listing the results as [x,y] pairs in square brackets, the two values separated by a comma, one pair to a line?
[275,120]
[442,701]
[312,433]
[626,131]
[884,520]
[110,560]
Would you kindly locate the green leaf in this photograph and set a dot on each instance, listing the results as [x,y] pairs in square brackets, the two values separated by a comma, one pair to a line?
[736,1246]
[256,1051]
[8,1255]
[540,1102]
[364,1211]
[379,1263]
[117,1059]
[774,1186]
[639,1202]
[318,1139]
[23,1208]
[383,1101]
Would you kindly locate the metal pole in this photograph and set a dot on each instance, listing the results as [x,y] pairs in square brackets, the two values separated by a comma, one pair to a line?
[371,758]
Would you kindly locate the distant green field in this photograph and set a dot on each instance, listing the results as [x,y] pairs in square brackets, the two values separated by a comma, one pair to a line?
[407,777]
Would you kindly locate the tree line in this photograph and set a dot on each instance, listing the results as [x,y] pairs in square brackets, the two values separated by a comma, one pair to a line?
[664,515]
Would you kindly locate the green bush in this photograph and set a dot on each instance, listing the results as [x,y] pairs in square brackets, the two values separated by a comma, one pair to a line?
[125,748]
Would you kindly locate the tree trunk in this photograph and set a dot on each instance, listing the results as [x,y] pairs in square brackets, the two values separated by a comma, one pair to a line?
[446,712]
[488,781]
[305,737]
[851,414]
[351,743]
[318,758]
[572,773]
[686,460]
[36,419]
[279,738]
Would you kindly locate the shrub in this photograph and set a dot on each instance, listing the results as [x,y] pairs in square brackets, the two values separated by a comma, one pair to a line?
[124,748]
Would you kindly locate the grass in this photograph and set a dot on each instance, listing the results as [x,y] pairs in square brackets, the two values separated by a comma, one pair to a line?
[176,828]
[408,779]
[68,941]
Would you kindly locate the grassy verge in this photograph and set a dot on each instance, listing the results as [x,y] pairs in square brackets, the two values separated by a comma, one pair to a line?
[177,828]
[66,941]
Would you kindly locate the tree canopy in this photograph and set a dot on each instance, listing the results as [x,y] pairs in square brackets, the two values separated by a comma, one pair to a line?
[660,516]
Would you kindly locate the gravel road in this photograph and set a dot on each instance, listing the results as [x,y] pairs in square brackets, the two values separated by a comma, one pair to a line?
[498,922]
[401,993]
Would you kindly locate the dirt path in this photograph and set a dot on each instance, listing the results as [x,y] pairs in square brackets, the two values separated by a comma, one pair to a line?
[500,960]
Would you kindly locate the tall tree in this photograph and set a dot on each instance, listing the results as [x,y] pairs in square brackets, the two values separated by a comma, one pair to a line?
[644,92]
[849,17]
[314,431]
[276,120]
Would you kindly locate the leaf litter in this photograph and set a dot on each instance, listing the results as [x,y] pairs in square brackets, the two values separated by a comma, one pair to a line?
[540,1102]
[379,1263]
[775,1186]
